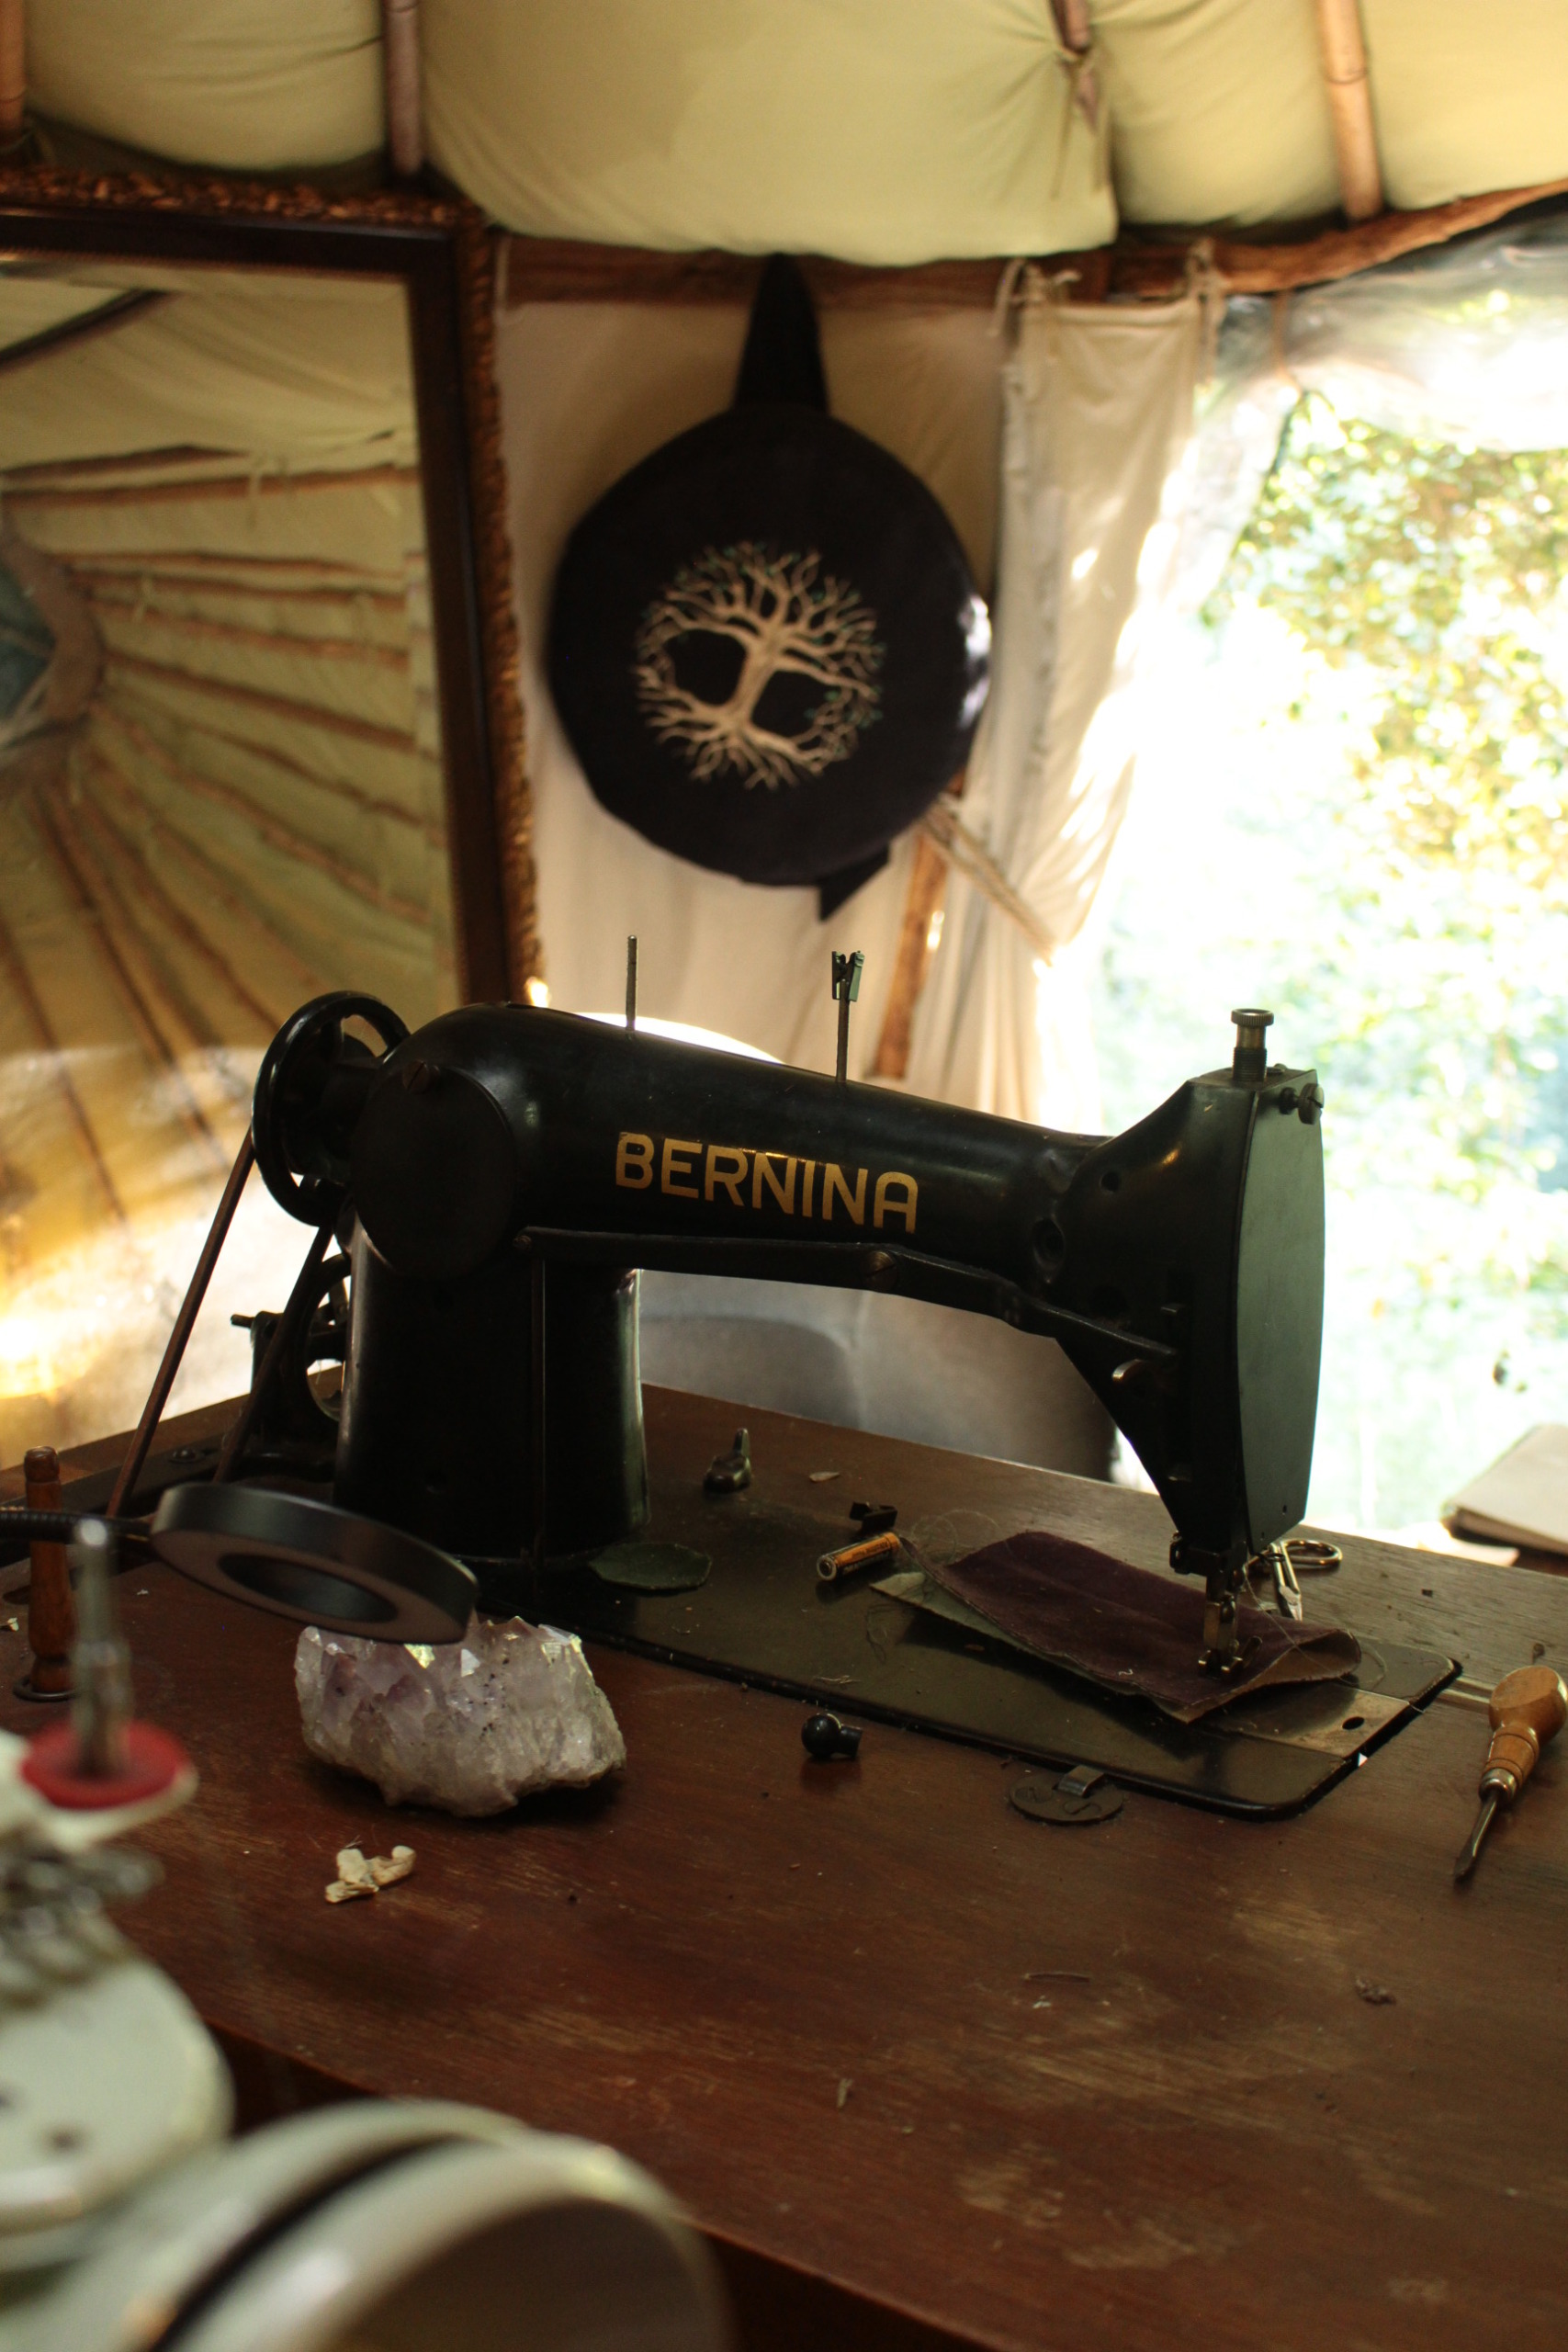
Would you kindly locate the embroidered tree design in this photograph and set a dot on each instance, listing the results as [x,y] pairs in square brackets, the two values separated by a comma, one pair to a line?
[788,623]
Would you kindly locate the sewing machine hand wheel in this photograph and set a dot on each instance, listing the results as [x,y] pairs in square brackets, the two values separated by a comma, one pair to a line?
[309,1095]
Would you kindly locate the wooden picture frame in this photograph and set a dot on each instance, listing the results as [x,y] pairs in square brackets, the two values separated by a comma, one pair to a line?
[445,254]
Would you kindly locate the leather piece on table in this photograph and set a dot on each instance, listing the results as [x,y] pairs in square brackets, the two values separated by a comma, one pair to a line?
[1131,1631]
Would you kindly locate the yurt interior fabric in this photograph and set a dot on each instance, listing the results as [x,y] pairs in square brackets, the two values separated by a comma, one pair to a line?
[879,131]
[221,779]
[220,786]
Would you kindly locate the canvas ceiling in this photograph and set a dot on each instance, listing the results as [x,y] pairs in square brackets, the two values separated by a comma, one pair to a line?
[881,130]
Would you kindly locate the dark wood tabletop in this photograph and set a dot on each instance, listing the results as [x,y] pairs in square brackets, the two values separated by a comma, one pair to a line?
[923,2071]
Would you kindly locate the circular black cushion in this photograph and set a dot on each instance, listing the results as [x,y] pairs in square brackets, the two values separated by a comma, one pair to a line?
[766,647]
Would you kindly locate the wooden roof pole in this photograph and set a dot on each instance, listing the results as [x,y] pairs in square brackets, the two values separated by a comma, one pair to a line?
[13,69]
[399,36]
[1350,105]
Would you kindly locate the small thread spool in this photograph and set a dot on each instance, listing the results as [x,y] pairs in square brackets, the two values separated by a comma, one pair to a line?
[51,1612]
[833,1566]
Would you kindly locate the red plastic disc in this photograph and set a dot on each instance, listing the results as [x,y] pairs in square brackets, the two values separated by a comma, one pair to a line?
[153,1763]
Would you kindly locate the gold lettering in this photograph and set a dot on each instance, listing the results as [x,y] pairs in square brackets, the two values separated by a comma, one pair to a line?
[763,1172]
[673,1167]
[729,1176]
[634,1162]
[905,1207]
[808,1185]
[833,1182]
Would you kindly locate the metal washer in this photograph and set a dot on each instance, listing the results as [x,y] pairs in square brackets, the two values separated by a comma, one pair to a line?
[315,1563]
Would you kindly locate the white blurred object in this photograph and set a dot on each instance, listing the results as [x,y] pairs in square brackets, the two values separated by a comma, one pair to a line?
[934,1375]
[375,2226]
[395,2226]
[684,1032]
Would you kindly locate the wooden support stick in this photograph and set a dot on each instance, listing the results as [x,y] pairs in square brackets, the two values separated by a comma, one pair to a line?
[1350,107]
[164,494]
[43,1028]
[547,269]
[131,1469]
[102,574]
[51,1612]
[214,881]
[258,641]
[922,904]
[300,714]
[399,36]
[171,916]
[279,836]
[13,69]
[269,755]
[144,1021]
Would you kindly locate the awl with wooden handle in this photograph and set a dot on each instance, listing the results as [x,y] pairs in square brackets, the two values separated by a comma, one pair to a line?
[1528,1707]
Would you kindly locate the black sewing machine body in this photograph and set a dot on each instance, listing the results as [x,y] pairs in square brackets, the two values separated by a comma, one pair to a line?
[510,1167]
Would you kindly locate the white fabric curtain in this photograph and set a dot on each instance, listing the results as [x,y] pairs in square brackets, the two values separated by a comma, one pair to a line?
[1097,422]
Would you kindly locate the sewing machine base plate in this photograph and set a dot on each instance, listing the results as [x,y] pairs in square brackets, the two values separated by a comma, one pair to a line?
[762,1619]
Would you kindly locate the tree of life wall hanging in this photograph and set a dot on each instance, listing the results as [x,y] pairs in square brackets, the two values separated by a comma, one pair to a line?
[766,647]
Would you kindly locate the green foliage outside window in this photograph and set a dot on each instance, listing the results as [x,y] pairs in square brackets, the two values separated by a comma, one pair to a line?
[1386,857]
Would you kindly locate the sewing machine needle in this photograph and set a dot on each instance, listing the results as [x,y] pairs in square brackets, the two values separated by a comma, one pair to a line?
[1471,1853]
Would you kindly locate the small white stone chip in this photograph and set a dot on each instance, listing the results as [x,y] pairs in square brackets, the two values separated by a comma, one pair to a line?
[388,1869]
[354,1870]
[341,1891]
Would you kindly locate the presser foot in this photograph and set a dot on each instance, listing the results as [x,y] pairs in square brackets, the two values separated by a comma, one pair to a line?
[1224,1573]
[1224,1652]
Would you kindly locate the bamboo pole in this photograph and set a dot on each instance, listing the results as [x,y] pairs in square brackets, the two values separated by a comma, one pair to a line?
[258,641]
[212,877]
[279,836]
[13,69]
[236,570]
[399,38]
[43,1028]
[922,904]
[268,754]
[299,714]
[102,574]
[143,1021]
[1350,107]
[163,493]
[168,912]
[83,840]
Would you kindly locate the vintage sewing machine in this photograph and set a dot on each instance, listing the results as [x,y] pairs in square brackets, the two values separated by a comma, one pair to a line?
[507,1169]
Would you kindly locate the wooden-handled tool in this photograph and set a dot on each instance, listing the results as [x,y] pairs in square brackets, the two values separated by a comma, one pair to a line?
[1528,1707]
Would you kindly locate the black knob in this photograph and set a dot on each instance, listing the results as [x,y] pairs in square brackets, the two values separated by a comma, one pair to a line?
[1250,1058]
[824,1738]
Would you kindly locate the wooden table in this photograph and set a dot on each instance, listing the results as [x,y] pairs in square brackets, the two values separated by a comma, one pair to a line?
[926,2073]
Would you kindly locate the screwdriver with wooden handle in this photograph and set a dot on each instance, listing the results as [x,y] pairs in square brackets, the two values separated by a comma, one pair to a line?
[1527,1708]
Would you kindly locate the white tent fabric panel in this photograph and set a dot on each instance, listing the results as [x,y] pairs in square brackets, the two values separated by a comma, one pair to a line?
[1217,108]
[248,85]
[1099,415]
[1467,99]
[826,126]
[588,390]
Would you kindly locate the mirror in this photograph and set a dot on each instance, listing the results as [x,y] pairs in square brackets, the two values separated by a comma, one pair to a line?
[248,719]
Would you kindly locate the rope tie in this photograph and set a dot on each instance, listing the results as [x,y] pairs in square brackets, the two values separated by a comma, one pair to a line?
[942,824]
[1207,283]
